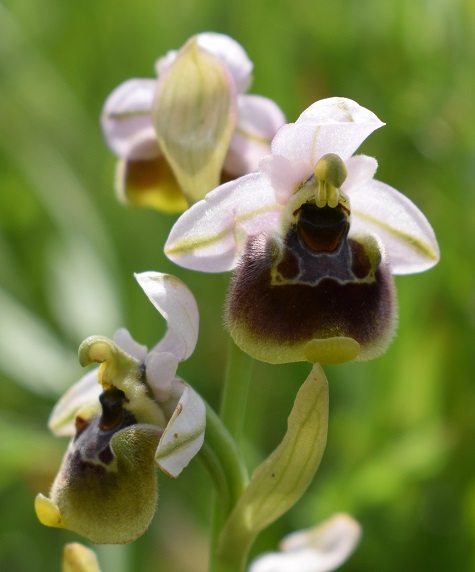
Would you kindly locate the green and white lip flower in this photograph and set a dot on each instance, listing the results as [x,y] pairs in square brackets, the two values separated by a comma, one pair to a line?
[314,240]
[180,135]
[125,417]
[320,549]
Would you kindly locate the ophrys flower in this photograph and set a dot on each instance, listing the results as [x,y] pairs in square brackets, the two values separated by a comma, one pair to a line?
[314,239]
[179,135]
[127,416]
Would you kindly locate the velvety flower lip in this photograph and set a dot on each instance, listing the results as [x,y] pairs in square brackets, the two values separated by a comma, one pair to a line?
[127,415]
[320,549]
[133,135]
[211,235]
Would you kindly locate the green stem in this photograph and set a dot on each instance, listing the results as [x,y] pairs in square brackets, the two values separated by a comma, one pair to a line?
[222,459]
[233,412]
[212,465]
[236,389]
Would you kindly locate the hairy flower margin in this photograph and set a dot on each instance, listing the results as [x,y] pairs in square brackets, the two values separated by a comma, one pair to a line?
[179,135]
[126,416]
[315,241]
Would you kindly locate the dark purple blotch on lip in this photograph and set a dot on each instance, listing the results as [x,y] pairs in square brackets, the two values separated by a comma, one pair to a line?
[304,290]
[91,449]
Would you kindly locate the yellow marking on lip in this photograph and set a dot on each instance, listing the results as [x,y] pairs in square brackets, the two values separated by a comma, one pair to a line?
[331,350]
[47,512]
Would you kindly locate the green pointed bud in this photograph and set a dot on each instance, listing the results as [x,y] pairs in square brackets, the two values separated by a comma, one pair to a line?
[79,558]
[194,115]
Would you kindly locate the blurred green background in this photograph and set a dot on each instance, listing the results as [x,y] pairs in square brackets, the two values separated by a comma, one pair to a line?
[400,455]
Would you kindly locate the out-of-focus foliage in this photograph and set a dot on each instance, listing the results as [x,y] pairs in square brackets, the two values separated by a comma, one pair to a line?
[400,454]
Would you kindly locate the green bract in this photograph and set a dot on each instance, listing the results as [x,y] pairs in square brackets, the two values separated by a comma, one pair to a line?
[279,482]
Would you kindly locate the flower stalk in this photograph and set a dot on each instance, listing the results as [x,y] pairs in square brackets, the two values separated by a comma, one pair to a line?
[232,415]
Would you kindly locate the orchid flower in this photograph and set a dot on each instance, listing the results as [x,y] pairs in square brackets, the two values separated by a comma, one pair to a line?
[320,549]
[125,416]
[179,135]
[314,239]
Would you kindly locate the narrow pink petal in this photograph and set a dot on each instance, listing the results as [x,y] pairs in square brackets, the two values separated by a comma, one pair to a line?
[211,234]
[361,169]
[258,120]
[177,305]
[126,120]
[126,342]
[284,176]
[161,368]
[334,125]
[407,235]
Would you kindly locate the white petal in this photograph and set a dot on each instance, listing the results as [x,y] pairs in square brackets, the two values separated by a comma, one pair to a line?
[334,125]
[84,394]
[321,549]
[361,169]
[211,234]
[125,341]
[407,235]
[161,369]
[177,305]
[164,62]
[284,176]
[232,54]
[184,434]
[126,120]
[227,50]
[258,120]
